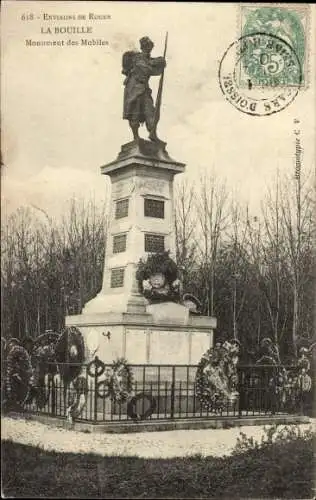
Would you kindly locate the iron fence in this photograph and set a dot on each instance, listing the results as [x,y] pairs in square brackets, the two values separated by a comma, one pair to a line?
[160,392]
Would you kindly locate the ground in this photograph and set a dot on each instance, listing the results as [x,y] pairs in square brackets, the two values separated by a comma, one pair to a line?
[46,462]
[167,444]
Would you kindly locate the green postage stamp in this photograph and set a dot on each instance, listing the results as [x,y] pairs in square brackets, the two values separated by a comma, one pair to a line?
[279,59]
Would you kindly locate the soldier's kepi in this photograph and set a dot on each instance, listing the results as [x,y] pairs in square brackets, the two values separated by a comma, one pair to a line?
[139,107]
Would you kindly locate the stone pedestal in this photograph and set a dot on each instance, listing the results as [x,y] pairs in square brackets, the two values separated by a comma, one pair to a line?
[144,338]
[119,321]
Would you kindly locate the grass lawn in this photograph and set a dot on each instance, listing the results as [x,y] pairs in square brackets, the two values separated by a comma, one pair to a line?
[283,470]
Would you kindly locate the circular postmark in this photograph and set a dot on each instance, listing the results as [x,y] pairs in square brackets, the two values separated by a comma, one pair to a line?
[260,74]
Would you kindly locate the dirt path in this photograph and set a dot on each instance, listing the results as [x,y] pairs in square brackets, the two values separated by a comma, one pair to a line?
[178,443]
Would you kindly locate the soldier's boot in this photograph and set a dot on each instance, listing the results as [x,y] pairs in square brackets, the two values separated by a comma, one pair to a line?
[153,136]
[134,126]
[151,127]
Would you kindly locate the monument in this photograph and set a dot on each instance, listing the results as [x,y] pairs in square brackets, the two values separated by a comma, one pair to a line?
[138,313]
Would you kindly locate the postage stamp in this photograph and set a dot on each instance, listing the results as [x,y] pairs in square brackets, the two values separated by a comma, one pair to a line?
[289,23]
[260,74]
[263,70]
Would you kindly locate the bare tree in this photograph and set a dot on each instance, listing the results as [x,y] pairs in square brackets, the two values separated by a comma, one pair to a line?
[44,264]
[297,209]
[237,236]
[185,222]
[272,256]
[84,232]
[211,207]
[267,257]
[280,245]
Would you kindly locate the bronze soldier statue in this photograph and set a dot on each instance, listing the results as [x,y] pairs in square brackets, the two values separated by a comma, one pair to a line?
[139,107]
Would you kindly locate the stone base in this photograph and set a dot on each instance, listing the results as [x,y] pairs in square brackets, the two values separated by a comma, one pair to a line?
[216,422]
[169,312]
[145,153]
[146,338]
[115,303]
[146,149]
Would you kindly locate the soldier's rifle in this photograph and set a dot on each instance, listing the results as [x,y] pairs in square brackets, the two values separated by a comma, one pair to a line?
[159,93]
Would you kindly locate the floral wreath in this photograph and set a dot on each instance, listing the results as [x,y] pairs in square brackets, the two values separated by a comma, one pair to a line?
[47,338]
[70,353]
[211,394]
[132,406]
[78,399]
[210,399]
[286,382]
[118,382]
[158,263]
[18,373]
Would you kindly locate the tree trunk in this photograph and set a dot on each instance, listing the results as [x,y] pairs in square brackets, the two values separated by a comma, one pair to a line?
[295,319]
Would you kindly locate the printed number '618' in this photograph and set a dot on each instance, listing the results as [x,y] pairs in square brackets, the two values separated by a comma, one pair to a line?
[27,17]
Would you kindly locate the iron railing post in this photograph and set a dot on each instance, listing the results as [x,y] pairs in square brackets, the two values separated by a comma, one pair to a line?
[53,396]
[301,408]
[95,395]
[172,391]
[239,378]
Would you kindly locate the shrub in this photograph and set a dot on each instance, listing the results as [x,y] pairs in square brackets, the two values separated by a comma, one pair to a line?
[276,433]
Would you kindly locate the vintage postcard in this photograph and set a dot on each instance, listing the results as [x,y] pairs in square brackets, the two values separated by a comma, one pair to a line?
[158,249]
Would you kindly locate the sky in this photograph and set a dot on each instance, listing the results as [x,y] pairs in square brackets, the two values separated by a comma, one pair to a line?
[62,106]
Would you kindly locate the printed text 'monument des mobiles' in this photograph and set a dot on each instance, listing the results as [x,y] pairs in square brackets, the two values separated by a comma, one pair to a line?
[63,43]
